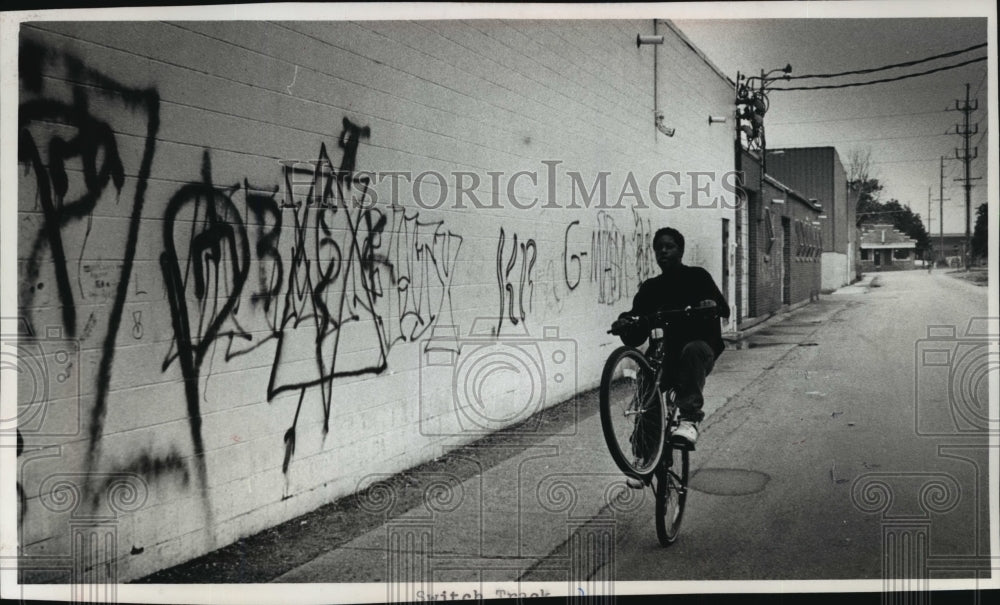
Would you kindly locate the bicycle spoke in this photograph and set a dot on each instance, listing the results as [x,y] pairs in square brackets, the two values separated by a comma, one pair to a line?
[631,414]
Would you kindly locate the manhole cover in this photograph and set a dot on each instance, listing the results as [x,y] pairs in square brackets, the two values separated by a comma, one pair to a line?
[728,481]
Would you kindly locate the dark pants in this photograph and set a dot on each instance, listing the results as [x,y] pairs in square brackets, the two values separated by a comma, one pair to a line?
[686,372]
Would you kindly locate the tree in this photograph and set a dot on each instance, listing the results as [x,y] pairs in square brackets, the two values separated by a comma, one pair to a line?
[859,165]
[980,233]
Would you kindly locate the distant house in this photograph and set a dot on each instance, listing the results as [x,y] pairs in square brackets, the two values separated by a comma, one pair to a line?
[884,248]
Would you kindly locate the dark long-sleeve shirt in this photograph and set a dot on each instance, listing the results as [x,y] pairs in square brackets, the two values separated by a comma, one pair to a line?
[678,288]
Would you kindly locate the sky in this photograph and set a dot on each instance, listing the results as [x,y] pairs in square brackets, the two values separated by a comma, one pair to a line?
[903,123]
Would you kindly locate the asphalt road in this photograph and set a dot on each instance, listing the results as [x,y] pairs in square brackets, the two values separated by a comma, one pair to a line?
[851,459]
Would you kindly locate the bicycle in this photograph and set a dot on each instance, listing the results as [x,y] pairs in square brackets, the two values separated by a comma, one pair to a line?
[638,419]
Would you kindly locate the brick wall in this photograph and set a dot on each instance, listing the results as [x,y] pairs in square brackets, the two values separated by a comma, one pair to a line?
[234,322]
[766,244]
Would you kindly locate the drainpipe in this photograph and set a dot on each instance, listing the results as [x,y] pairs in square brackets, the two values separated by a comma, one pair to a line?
[656,78]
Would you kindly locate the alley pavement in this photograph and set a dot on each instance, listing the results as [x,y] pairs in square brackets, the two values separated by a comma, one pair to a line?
[510,507]
[500,523]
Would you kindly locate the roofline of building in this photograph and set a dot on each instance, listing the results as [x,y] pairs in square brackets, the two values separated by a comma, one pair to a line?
[893,245]
[793,193]
[698,52]
[808,147]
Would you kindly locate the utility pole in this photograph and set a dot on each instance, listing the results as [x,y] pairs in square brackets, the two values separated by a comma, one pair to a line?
[941,201]
[928,254]
[967,156]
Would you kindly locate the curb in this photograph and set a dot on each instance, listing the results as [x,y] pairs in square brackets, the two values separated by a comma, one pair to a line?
[756,324]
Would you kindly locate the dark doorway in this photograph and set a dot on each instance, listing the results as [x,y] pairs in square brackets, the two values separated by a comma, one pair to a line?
[739,263]
[786,260]
[725,257]
[753,250]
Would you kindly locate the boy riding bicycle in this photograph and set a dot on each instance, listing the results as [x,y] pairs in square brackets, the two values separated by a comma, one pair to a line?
[694,345]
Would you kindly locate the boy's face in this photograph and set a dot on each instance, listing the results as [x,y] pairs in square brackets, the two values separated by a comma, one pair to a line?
[668,255]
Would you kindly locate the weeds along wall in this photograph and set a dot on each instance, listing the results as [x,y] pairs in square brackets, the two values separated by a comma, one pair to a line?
[262,265]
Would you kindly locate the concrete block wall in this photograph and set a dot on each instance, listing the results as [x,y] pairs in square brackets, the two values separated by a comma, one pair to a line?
[836,270]
[235,316]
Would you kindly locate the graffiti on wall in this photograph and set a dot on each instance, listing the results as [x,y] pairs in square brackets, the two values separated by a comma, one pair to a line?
[515,277]
[357,276]
[572,260]
[202,222]
[604,260]
[608,255]
[642,241]
[71,148]
[241,267]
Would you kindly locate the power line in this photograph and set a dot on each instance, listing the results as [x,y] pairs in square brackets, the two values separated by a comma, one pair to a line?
[884,67]
[983,134]
[934,159]
[885,115]
[883,80]
[875,139]
[981,82]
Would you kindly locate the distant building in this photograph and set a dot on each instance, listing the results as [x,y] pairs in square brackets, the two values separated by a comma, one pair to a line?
[818,174]
[885,248]
[784,244]
[949,247]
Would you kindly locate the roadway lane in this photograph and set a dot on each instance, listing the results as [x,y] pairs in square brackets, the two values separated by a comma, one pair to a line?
[776,467]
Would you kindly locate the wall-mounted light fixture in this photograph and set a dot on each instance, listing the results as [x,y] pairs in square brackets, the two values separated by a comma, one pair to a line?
[717,119]
[658,120]
[648,39]
[777,201]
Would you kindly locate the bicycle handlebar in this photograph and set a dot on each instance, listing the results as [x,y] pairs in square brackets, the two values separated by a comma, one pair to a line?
[667,316]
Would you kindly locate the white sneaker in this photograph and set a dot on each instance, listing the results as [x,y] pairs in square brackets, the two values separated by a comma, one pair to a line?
[634,483]
[686,431]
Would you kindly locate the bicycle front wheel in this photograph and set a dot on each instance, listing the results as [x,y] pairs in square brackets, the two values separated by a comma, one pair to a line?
[671,495]
[631,414]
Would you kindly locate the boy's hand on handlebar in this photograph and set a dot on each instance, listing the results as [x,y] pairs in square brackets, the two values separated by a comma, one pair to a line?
[622,324]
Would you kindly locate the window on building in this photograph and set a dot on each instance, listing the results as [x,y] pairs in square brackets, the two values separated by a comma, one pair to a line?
[864,254]
[768,230]
[901,253]
[800,248]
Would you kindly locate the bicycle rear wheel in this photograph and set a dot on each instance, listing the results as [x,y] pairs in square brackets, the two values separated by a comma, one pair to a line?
[631,414]
[671,494]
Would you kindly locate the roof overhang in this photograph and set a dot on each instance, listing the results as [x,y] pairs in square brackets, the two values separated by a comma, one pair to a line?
[895,245]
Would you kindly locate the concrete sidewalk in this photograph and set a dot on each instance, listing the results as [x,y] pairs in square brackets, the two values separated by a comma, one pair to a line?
[501,522]
[862,286]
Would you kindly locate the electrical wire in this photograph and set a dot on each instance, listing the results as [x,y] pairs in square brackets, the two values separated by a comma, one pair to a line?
[934,159]
[981,135]
[883,80]
[886,115]
[875,139]
[884,67]
[981,82]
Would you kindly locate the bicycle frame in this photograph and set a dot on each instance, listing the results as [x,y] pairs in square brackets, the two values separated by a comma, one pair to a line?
[668,473]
